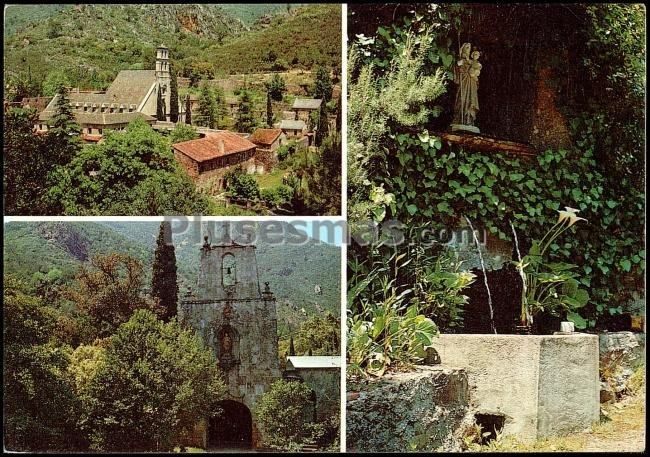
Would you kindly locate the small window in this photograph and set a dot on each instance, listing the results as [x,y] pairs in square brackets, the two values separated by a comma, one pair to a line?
[228,270]
[100,131]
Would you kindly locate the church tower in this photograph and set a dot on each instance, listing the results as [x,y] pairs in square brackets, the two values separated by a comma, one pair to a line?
[237,319]
[163,75]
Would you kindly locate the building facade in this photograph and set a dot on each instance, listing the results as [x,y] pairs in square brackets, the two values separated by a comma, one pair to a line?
[237,319]
[208,159]
[267,141]
[133,94]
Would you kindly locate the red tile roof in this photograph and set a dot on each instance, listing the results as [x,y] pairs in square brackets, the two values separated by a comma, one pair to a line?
[208,148]
[91,137]
[265,136]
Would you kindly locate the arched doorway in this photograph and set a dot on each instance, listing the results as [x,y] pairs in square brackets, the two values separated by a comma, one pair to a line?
[233,428]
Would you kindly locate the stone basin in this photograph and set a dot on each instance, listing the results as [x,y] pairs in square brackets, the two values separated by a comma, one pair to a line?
[540,385]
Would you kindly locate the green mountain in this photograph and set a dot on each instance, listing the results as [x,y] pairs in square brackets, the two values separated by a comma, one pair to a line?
[92,43]
[292,271]
[250,13]
[18,17]
[308,37]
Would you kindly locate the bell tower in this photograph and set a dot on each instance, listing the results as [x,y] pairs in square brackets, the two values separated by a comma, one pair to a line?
[236,317]
[163,75]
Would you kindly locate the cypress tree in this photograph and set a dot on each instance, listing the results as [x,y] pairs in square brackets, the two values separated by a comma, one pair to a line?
[188,110]
[274,89]
[338,115]
[164,283]
[292,349]
[173,88]
[160,110]
[323,125]
[269,110]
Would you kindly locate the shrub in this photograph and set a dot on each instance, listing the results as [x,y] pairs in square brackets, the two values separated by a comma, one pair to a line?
[277,196]
[385,329]
[282,413]
[242,185]
[156,379]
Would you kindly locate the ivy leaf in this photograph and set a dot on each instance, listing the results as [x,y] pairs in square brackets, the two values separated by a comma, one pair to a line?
[443,207]
[626,265]
[516,176]
[412,209]
[612,204]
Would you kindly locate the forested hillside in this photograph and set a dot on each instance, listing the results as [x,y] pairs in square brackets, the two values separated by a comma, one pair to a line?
[92,43]
[292,271]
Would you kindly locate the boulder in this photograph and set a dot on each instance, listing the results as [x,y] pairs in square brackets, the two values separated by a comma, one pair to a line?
[424,410]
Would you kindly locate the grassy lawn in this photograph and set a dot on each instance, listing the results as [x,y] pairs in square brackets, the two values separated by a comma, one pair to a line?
[270,180]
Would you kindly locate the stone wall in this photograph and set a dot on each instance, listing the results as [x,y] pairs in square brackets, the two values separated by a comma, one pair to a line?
[620,355]
[190,166]
[265,160]
[212,180]
[426,410]
[326,383]
[236,320]
[541,385]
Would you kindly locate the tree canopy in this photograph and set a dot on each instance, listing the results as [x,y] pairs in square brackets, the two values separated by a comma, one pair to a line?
[155,381]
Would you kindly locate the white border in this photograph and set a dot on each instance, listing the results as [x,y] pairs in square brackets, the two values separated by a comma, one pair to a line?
[344,212]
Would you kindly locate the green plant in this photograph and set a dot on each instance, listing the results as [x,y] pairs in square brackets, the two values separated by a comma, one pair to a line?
[401,97]
[551,287]
[183,132]
[385,329]
[282,412]
[434,181]
[154,380]
[241,184]
[439,284]
[276,196]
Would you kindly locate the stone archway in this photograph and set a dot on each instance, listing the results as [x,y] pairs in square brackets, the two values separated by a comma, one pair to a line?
[233,428]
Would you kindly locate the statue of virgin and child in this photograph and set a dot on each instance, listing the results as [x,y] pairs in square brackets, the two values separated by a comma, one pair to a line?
[466,73]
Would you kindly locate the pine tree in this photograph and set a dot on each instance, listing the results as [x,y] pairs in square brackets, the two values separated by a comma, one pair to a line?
[164,283]
[245,121]
[207,108]
[160,109]
[188,110]
[63,133]
[173,88]
[323,86]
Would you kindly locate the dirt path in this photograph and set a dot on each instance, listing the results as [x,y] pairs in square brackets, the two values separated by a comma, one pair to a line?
[624,433]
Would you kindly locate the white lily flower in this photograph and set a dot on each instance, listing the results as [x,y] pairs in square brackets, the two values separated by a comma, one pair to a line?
[570,215]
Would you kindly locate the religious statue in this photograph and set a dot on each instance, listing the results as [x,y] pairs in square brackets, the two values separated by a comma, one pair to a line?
[466,74]
[226,344]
